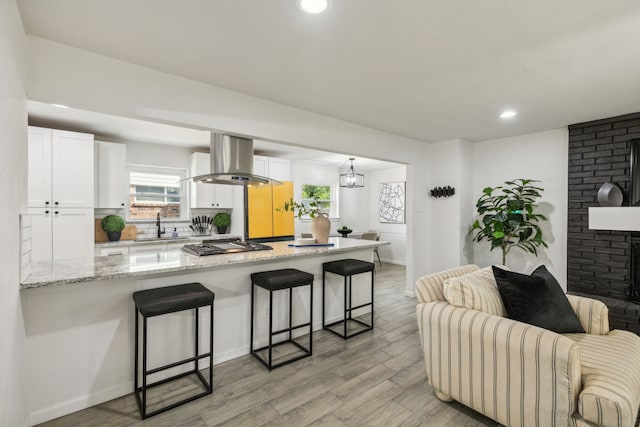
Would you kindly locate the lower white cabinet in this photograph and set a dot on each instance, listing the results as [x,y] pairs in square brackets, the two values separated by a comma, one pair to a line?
[113,251]
[59,233]
[145,249]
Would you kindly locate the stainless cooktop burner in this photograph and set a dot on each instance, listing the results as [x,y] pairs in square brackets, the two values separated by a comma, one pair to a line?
[220,247]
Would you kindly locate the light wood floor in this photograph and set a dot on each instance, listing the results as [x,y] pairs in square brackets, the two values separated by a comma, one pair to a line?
[376,378]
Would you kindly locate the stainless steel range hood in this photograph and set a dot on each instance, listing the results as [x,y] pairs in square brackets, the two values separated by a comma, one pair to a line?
[232,162]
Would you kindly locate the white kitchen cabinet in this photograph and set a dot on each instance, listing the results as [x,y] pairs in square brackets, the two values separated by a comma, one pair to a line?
[272,167]
[113,251]
[261,165]
[146,249]
[111,175]
[208,195]
[60,169]
[59,233]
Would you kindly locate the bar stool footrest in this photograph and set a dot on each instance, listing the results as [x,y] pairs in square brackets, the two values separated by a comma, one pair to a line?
[367,326]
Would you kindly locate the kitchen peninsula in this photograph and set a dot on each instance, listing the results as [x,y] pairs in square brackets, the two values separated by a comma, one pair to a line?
[79,315]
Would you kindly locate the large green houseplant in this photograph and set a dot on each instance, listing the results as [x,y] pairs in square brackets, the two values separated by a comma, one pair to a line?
[507,217]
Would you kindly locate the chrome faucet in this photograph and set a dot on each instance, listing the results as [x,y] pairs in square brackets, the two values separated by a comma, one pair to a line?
[160,233]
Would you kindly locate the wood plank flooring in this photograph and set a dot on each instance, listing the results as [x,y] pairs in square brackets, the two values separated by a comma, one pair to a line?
[374,379]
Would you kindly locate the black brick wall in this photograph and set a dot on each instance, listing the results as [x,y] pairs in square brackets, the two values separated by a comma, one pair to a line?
[598,262]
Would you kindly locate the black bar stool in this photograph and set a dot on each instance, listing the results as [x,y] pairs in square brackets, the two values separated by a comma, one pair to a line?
[277,280]
[170,299]
[347,268]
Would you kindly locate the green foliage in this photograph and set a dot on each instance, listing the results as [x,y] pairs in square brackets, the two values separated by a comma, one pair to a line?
[311,208]
[344,227]
[112,223]
[222,219]
[507,219]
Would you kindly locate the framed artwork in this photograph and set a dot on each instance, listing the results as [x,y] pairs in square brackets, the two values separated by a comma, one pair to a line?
[392,203]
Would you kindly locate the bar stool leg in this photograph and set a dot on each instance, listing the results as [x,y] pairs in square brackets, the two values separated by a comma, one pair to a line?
[135,363]
[350,297]
[211,350]
[251,326]
[195,353]
[290,311]
[345,306]
[323,319]
[372,273]
[311,318]
[144,367]
[270,328]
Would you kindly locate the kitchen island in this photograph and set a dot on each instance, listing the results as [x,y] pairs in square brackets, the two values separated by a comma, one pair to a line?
[79,315]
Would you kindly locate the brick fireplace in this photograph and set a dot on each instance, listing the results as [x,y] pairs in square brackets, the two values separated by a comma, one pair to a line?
[599,263]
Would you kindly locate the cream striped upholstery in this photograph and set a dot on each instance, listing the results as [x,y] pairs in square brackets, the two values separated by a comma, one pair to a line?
[429,288]
[514,373]
[522,375]
[476,290]
[593,314]
[610,378]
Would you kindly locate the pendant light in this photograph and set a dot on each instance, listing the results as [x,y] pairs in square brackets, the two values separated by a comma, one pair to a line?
[350,178]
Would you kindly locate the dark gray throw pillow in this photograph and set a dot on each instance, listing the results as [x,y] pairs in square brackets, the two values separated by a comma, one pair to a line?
[537,300]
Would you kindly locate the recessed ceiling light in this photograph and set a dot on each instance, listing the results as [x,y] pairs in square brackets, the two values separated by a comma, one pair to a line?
[508,114]
[59,106]
[313,6]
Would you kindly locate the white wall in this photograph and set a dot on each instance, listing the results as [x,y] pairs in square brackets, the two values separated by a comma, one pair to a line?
[451,166]
[13,190]
[541,156]
[63,74]
[140,153]
[396,234]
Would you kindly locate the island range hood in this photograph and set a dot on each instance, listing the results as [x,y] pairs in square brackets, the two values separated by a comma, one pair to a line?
[232,162]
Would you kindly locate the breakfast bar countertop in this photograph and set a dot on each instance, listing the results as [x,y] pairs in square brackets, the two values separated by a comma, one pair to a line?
[79,270]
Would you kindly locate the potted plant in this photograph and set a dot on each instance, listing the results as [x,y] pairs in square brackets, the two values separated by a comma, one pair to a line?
[222,220]
[320,224]
[113,226]
[507,219]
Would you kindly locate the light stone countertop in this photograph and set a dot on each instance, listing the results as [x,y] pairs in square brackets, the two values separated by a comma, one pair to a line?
[81,270]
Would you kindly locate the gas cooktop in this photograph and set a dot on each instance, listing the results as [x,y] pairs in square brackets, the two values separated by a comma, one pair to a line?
[228,246]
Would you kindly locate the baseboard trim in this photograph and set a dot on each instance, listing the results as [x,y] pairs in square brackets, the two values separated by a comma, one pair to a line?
[393,261]
[410,294]
[78,403]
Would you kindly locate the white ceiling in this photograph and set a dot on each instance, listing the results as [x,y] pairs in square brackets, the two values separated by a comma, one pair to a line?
[106,127]
[429,69]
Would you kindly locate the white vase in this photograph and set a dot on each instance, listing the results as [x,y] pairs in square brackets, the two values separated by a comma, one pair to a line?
[320,227]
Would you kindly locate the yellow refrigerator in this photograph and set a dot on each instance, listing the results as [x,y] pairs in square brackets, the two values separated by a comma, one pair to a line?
[263,219]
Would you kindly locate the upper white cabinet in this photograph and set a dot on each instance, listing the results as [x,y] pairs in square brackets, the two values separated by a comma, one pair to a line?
[208,195]
[111,175]
[272,167]
[60,169]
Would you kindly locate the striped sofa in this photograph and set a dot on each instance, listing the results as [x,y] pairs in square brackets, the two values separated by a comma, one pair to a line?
[519,374]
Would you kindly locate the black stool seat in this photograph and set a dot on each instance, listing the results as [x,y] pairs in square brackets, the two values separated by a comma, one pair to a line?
[152,302]
[348,267]
[281,279]
[171,299]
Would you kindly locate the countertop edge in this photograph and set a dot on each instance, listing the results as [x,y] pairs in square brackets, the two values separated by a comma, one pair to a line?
[300,252]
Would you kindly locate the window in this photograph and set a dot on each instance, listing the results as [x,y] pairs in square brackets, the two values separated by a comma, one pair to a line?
[154,190]
[325,195]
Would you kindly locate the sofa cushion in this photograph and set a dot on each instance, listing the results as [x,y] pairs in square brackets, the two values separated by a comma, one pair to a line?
[476,290]
[610,376]
[537,299]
